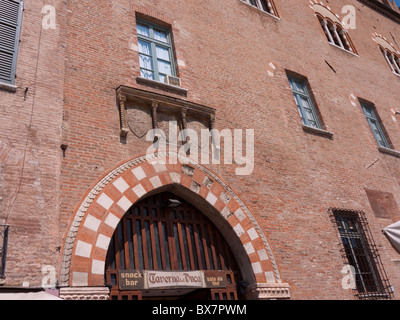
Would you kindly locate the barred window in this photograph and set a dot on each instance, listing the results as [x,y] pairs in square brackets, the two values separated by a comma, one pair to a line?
[360,251]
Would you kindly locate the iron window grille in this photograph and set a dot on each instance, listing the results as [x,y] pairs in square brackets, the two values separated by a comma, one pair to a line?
[3,250]
[360,251]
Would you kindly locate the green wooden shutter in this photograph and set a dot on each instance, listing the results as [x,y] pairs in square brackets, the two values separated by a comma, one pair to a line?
[304,103]
[10,23]
[375,126]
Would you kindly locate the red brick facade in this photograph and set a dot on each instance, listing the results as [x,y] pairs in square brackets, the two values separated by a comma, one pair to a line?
[234,59]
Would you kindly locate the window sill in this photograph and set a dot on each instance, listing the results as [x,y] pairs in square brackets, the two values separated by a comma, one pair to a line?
[343,49]
[373,296]
[389,151]
[319,132]
[8,87]
[259,10]
[162,86]
[395,73]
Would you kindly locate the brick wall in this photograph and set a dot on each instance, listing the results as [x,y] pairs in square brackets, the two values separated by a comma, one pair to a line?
[223,51]
[30,137]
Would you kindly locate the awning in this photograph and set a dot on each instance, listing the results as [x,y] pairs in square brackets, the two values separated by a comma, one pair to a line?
[28,296]
[392,232]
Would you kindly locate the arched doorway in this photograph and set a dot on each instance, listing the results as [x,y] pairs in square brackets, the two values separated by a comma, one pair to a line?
[106,202]
[165,248]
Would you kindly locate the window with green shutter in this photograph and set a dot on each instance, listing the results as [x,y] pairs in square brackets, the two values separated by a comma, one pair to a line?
[10,24]
[302,96]
[373,122]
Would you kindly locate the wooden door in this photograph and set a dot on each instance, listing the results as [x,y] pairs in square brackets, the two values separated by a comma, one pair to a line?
[155,235]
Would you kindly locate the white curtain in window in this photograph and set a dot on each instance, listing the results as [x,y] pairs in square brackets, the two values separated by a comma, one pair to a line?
[164,67]
[144,47]
[162,53]
[160,35]
[143,30]
[145,55]
[146,62]
[392,232]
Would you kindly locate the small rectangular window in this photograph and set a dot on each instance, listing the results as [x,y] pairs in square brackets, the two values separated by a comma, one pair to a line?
[307,110]
[360,252]
[374,123]
[155,52]
[10,24]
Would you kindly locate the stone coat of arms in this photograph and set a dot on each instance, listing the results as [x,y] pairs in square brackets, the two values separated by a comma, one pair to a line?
[139,120]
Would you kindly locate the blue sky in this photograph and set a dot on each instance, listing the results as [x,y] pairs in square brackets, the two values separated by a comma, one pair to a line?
[398,2]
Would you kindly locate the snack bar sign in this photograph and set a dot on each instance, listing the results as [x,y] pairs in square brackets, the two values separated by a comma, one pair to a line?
[146,279]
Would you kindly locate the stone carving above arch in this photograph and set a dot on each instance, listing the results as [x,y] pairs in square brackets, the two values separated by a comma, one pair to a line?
[139,119]
[94,222]
[141,111]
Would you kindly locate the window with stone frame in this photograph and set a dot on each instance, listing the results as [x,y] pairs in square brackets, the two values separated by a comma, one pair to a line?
[392,59]
[264,5]
[336,34]
[389,51]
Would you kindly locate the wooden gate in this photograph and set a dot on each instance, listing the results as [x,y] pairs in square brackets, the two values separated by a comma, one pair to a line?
[164,232]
